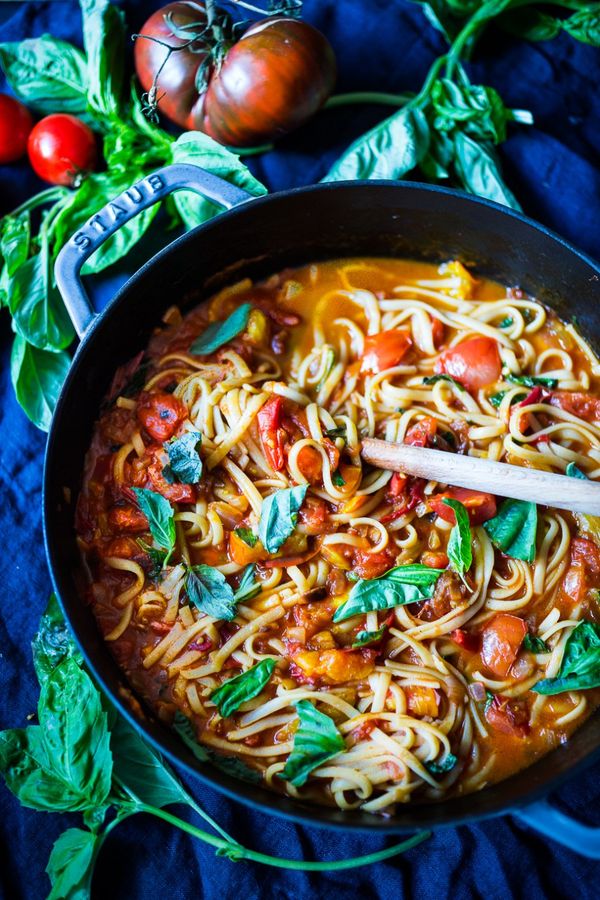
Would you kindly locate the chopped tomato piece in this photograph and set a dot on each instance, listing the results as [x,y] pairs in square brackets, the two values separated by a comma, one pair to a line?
[336,666]
[123,547]
[500,642]
[160,414]
[365,728]
[465,639]
[474,363]
[384,350]
[127,518]
[372,565]
[271,436]
[175,493]
[437,331]
[241,553]
[422,701]
[422,433]
[397,485]
[313,617]
[587,553]
[403,503]
[480,506]
[508,716]
[583,571]
[434,559]
[578,404]
[538,394]
[352,476]
[314,515]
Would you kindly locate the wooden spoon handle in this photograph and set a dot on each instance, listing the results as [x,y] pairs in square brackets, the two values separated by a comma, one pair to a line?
[502,479]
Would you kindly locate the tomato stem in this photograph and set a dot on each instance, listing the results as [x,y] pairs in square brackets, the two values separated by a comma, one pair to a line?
[367,97]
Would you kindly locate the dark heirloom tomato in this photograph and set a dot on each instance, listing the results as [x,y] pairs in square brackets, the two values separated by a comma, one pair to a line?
[272,80]
[15,125]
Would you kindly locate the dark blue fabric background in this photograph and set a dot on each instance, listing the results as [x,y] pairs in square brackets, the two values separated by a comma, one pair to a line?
[554,169]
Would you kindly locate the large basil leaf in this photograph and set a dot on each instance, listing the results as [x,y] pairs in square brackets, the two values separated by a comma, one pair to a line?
[513,529]
[279,516]
[316,740]
[71,865]
[219,333]
[15,233]
[96,191]
[210,592]
[142,770]
[36,306]
[53,642]
[580,669]
[47,74]
[185,464]
[585,25]
[200,150]
[37,377]
[399,586]
[460,552]
[160,515]
[478,171]
[103,39]
[390,150]
[230,696]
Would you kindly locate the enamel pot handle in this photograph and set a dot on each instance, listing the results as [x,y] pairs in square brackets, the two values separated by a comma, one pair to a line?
[108,220]
[543,817]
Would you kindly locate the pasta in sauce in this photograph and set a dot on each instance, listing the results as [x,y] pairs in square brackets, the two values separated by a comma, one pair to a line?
[230,531]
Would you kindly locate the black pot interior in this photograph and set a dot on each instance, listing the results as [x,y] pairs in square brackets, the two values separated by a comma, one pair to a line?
[258,239]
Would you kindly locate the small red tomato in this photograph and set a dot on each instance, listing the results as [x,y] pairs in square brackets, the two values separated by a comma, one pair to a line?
[480,506]
[61,149]
[15,125]
[384,350]
[474,363]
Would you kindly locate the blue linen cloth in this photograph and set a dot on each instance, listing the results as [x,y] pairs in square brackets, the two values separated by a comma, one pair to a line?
[553,167]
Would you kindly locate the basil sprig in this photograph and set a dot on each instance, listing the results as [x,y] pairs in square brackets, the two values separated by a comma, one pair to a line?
[460,552]
[219,333]
[161,518]
[580,667]
[316,740]
[397,587]
[279,516]
[185,465]
[532,381]
[513,530]
[230,696]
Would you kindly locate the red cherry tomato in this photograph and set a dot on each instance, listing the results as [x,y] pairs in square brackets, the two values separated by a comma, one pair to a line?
[508,716]
[160,414]
[422,433]
[384,350]
[15,125]
[578,404]
[274,78]
[61,149]
[500,642]
[474,363]
[480,506]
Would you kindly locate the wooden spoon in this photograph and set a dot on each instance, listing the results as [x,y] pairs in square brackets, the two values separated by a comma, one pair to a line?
[502,479]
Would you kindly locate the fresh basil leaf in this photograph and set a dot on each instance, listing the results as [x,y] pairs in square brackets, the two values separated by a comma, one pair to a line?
[513,529]
[46,74]
[337,479]
[532,381]
[157,557]
[445,765]
[160,515]
[219,333]
[247,536]
[235,691]
[200,150]
[390,150]
[142,770]
[433,379]
[279,516]
[505,323]
[184,457]
[338,432]
[37,377]
[248,587]
[530,24]
[104,41]
[368,637]
[534,644]
[575,472]
[460,551]
[71,864]
[15,235]
[479,109]
[52,642]
[489,699]
[36,306]
[397,587]
[210,592]
[496,399]
[478,171]
[584,25]
[580,668]
[316,740]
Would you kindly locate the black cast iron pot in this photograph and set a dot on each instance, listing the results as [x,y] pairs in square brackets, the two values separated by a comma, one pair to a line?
[258,237]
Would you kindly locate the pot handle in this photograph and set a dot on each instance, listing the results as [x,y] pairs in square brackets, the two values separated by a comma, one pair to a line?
[145,193]
[549,821]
